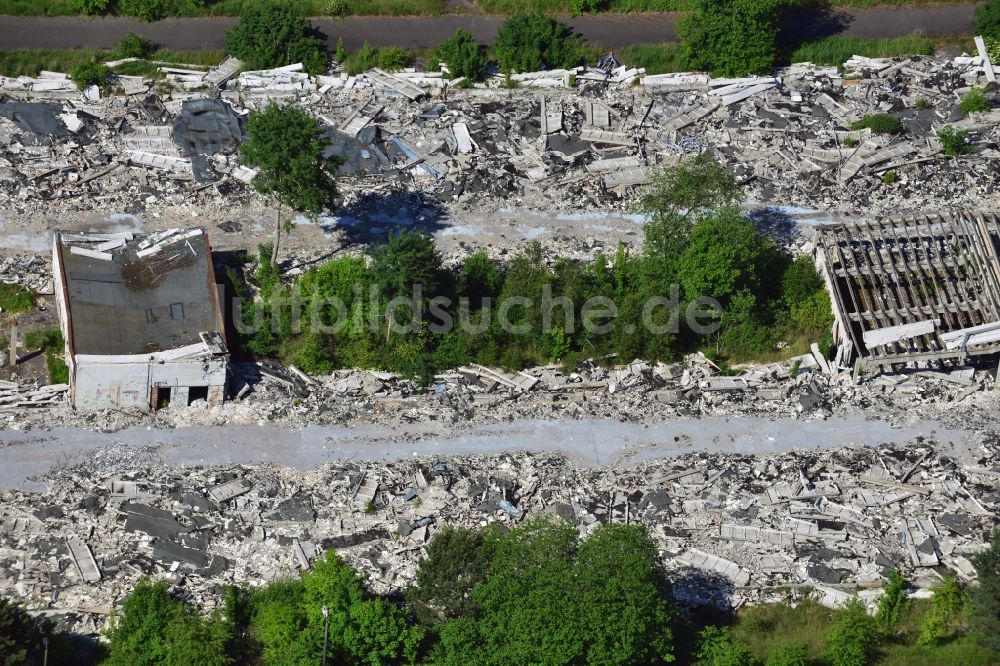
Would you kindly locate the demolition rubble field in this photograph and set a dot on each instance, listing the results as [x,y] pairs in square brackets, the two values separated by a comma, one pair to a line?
[781,475]
[477,167]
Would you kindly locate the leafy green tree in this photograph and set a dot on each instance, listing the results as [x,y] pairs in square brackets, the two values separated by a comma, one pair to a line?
[988,19]
[947,604]
[155,629]
[892,603]
[725,255]
[800,281]
[135,46]
[91,73]
[853,638]
[625,601]
[480,277]
[796,654]
[407,259]
[271,34]
[678,196]
[463,55]
[457,560]
[986,596]
[730,37]
[530,42]
[716,647]
[287,145]
[605,601]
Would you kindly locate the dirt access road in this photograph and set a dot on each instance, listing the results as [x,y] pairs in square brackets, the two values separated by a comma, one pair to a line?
[28,456]
[610,31]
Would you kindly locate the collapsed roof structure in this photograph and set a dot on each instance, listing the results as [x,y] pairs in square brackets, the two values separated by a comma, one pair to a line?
[141,316]
[914,289]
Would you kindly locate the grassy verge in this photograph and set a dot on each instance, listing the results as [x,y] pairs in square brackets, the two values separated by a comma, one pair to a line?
[656,58]
[50,340]
[836,49]
[233,7]
[28,62]
[768,628]
[14,299]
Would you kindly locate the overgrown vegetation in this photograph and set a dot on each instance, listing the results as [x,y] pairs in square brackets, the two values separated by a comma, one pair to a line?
[697,246]
[50,341]
[135,46]
[731,37]
[164,8]
[655,58]
[954,141]
[91,74]
[29,62]
[539,593]
[271,34]
[529,42]
[15,299]
[836,49]
[879,123]
[973,101]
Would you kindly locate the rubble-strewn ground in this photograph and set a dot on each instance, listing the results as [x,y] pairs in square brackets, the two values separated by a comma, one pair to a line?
[783,474]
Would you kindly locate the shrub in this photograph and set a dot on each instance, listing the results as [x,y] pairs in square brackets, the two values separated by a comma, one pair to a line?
[716,647]
[270,34]
[93,73]
[947,604]
[954,141]
[146,10]
[988,19]
[462,55]
[891,604]
[795,654]
[974,100]
[889,177]
[529,42]
[391,58]
[341,53]
[923,104]
[853,637]
[93,7]
[135,46]
[587,6]
[880,123]
[731,37]
[850,143]
[360,61]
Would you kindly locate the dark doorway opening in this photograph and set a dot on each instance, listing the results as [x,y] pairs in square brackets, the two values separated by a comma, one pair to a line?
[197,393]
[161,397]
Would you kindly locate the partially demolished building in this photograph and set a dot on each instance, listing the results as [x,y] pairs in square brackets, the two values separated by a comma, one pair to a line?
[914,289]
[141,318]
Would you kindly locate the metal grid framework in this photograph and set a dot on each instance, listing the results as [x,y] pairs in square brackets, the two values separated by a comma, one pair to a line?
[907,270]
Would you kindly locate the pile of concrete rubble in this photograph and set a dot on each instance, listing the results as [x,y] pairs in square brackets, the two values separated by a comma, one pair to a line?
[736,527]
[583,147]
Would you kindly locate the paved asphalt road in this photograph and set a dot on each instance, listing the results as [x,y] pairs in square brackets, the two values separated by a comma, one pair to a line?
[22,32]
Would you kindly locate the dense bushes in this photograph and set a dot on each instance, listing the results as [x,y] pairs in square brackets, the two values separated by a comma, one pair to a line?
[879,123]
[528,311]
[988,19]
[731,37]
[91,73]
[270,34]
[463,56]
[529,42]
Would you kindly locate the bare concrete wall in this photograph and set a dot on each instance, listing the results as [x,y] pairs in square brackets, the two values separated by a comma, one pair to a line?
[102,385]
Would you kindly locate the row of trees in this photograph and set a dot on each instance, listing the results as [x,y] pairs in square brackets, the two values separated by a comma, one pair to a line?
[536,594]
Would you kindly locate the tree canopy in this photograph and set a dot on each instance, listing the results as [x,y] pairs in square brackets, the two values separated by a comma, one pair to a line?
[270,34]
[988,19]
[730,37]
